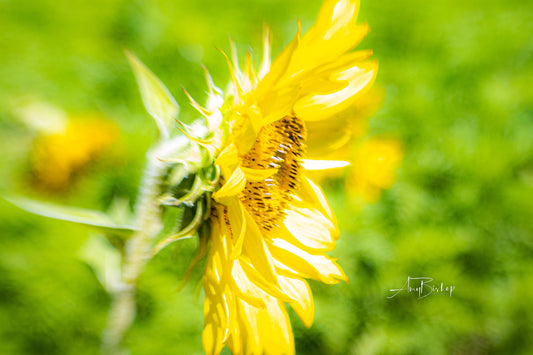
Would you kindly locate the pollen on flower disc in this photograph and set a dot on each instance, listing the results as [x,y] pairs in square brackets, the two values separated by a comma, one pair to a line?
[279,145]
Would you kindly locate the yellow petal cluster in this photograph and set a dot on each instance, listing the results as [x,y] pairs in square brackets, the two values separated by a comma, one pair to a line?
[374,168]
[57,157]
[271,226]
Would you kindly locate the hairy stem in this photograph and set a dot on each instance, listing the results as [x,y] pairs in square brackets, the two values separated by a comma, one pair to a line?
[139,248]
[138,251]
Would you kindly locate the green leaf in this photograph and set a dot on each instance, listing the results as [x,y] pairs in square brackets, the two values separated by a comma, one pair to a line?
[89,218]
[104,259]
[158,101]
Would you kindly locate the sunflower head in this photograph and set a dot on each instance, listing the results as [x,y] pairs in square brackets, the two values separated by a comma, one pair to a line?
[57,157]
[270,224]
[263,224]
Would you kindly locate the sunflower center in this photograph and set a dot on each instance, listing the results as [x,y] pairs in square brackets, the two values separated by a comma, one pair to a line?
[279,145]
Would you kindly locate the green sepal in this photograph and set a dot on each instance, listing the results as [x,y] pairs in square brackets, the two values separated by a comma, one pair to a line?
[190,188]
[196,190]
[204,233]
[187,227]
[192,157]
[173,220]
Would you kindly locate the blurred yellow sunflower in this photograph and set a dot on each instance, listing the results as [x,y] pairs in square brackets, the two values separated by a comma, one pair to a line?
[374,169]
[270,225]
[57,156]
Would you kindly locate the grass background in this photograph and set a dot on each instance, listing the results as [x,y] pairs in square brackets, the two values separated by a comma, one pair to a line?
[457,77]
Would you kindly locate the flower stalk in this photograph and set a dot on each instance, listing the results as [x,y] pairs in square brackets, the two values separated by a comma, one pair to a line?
[138,251]
[156,188]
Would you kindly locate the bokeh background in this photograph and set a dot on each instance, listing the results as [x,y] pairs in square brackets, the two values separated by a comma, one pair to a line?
[457,79]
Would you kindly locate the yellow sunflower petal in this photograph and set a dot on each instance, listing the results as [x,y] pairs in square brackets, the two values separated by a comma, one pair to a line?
[293,261]
[310,164]
[245,338]
[244,131]
[253,268]
[219,302]
[359,78]
[216,319]
[334,33]
[254,277]
[249,78]
[278,104]
[255,249]
[313,195]
[278,67]
[256,175]
[265,63]
[246,289]
[335,16]
[238,226]
[228,159]
[275,95]
[348,59]
[310,229]
[231,187]
[262,330]
[274,328]
[328,138]
[325,79]
[300,291]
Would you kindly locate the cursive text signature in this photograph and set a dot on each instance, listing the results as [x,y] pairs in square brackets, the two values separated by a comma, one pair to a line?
[423,287]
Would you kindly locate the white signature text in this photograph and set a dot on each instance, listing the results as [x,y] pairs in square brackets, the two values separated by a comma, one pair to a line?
[423,287]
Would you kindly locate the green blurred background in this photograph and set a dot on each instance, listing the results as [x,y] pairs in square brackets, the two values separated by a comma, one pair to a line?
[457,77]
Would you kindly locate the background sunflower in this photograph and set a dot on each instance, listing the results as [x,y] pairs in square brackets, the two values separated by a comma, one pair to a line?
[456,77]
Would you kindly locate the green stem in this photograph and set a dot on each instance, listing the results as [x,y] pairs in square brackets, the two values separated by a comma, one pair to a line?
[138,251]
[139,248]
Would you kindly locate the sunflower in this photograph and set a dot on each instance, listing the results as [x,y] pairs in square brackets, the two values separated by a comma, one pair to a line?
[56,158]
[271,226]
[376,162]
